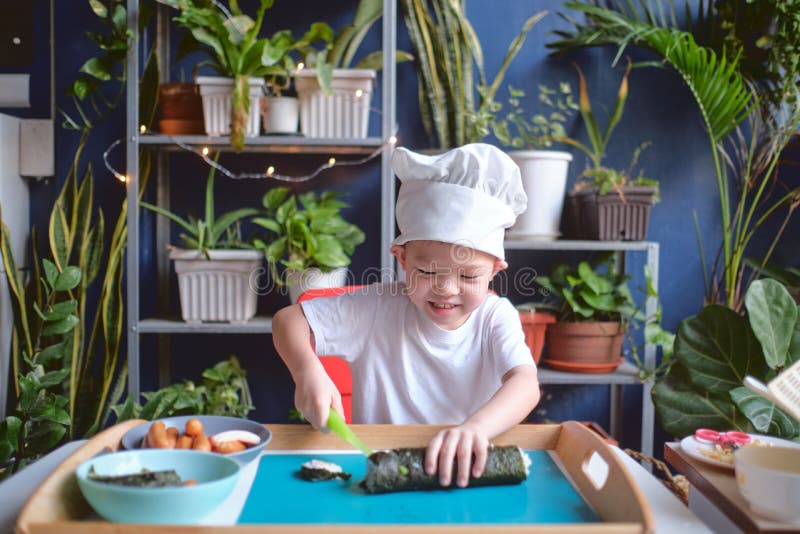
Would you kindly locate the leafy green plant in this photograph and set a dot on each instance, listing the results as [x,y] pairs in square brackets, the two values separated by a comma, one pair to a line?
[746,91]
[211,232]
[87,357]
[515,129]
[311,234]
[715,350]
[600,293]
[448,53]
[105,72]
[340,47]
[590,293]
[231,38]
[39,419]
[223,391]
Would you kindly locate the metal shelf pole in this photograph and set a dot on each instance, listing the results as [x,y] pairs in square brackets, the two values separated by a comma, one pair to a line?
[131,195]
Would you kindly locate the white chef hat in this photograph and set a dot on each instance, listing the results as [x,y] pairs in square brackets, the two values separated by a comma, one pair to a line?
[467,196]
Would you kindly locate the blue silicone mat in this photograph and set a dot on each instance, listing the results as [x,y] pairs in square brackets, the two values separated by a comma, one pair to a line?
[279,495]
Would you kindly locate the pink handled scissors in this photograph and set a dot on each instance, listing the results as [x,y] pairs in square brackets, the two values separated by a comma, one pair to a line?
[732,439]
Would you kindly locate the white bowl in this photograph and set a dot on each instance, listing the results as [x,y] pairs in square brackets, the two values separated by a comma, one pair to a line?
[769,479]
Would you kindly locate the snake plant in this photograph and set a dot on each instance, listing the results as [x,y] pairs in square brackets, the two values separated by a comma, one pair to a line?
[448,53]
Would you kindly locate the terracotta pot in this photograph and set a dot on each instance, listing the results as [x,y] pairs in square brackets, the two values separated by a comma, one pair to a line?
[181,109]
[585,343]
[534,324]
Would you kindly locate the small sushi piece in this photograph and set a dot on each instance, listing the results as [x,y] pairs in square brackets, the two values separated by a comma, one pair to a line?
[403,470]
[318,470]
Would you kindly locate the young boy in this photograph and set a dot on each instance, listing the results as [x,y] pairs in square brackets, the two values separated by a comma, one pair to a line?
[437,349]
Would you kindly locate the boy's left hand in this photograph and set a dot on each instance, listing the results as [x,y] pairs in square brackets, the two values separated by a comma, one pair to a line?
[458,443]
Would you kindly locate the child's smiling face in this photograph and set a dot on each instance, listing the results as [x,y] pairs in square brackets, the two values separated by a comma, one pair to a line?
[446,281]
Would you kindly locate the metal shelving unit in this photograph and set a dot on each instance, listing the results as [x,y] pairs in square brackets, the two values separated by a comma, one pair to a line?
[627,373]
[163,145]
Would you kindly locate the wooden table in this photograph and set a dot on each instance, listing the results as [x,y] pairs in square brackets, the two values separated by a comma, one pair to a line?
[57,506]
[718,486]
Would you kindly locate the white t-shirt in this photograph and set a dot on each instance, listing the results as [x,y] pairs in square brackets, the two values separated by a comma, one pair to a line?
[408,370]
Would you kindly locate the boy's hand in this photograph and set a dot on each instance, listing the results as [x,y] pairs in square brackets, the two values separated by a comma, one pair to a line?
[315,395]
[458,443]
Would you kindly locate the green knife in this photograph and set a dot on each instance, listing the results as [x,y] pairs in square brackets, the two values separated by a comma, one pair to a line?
[340,428]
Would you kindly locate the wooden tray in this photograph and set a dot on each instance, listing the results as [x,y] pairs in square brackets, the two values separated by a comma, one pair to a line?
[57,506]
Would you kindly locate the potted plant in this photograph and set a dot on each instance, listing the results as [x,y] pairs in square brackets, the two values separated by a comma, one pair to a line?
[231,101]
[447,54]
[544,172]
[280,110]
[715,350]
[605,203]
[180,109]
[534,325]
[335,97]
[311,240]
[597,311]
[214,271]
[738,62]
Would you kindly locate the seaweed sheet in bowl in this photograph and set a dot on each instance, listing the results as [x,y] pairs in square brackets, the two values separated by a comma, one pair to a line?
[215,476]
[212,424]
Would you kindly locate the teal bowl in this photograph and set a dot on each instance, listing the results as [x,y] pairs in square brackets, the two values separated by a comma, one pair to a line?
[216,475]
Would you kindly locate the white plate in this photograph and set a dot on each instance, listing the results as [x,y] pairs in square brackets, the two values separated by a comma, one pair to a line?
[695,448]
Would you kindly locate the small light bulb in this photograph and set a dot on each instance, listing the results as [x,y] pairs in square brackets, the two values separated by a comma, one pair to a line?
[142,129]
[393,140]
[270,170]
[331,162]
[359,93]
[301,66]
[205,151]
[122,178]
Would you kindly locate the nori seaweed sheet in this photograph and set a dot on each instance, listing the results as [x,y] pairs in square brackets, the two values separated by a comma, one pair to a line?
[144,479]
[404,470]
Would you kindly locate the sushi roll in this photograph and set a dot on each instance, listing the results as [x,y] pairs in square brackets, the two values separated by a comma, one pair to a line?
[318,470]
[403,470]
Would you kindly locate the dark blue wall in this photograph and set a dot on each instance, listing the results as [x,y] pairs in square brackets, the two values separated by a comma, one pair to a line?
[659,109]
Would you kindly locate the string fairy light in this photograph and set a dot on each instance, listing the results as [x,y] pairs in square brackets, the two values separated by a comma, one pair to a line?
[203,153]
[271,173]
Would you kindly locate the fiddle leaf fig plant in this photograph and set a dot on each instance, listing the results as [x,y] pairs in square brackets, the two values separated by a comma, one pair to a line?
[715,350]
[311,233]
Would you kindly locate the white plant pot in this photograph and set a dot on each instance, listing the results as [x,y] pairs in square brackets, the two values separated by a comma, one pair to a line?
[217,93]
[544,179]
[218,289]
[279,114]
[301,281]
[342,114]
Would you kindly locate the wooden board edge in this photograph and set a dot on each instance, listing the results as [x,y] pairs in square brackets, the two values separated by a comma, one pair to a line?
[103,528]
[58,498]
